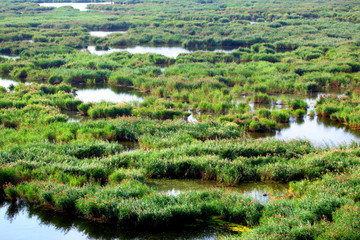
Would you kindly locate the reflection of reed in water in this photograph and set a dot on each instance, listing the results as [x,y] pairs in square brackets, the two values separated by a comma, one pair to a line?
[42,221]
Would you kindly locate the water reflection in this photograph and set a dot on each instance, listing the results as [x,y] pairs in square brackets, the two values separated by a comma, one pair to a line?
[80,6]
[73,116]
[171,52]
[23,221]
[259,191]
[191,119]
[10,57]
[115,94]
[6,83]
[103,33]
[319,130]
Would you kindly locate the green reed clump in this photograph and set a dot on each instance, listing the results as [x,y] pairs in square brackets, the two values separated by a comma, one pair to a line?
[160,210]
[231,162]
[133,203]
[110,110]
[69,178]
[165,140]
[281,116]
[297,104]
[83,150]
[8,175]
[121,174]
[299,113]
[340,109]
[159,112]
[84,108]
[263,113]
[262,124]
[67,104]
[105,201]
[59,195]
[261,98]
[345,224]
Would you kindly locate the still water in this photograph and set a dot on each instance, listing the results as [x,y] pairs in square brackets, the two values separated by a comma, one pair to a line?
[10,57]
[319,130]
[80,6]
[260,191]
[103,33]
[171,52]
[115,94]
[21,221]
[4,82]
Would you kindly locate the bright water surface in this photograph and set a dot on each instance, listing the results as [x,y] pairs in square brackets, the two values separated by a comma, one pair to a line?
[319,130]
[259,191]
[115,94]
[24,222]
[80,6]
[7,82]
[10,57]
[103,33]
[171,52]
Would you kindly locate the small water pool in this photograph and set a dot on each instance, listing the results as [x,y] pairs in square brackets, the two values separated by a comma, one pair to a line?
[81,6]
[103,33]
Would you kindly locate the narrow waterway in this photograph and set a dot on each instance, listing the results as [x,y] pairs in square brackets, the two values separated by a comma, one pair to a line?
[81,6]
[104,33]
[171,52]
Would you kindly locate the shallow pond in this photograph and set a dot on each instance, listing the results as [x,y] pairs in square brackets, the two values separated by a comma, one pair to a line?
[319,130]
[10,57]
[5,82]
[80,6]
[115,94]
[103,33]
[259,191]
[171,52]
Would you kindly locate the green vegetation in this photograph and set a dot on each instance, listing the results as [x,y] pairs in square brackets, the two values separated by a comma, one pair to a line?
[85,168]
[344,109]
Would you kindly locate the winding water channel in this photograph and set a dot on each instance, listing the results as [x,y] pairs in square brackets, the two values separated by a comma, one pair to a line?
[171,52]
[81,6]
